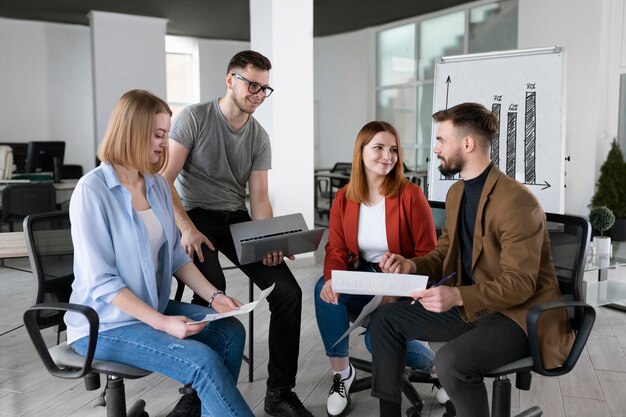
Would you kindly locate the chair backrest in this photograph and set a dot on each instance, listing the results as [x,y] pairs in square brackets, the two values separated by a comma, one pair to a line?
[569,239]
[438,209]
[20,200]
[71,172]
[342,167]
[51,254]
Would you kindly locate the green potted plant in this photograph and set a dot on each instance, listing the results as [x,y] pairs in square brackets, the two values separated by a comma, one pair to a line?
[611,190]
[601,219]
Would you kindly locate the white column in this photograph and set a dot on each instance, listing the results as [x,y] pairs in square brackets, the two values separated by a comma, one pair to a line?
[128,52]
[282,30]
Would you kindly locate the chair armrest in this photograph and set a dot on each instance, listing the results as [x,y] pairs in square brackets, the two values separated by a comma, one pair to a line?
[30,322]
[586,316]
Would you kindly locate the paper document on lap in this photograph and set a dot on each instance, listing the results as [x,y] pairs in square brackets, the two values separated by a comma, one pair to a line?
[364,317]
[377,283]
[246,308]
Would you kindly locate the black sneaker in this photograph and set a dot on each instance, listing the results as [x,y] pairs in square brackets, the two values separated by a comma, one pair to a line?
[284,404]
[189,404]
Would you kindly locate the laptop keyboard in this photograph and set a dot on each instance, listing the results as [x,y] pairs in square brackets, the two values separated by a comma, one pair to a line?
[288,232]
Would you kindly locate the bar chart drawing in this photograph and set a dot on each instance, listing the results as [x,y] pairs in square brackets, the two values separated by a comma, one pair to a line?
[511,142]
[530,137]
[525,91]
[495,142]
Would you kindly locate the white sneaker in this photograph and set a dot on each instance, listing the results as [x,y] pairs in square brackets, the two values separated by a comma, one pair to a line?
[339,395]
[442,396]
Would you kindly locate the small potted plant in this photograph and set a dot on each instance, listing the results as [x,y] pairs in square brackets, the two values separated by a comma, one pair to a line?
[601,219]
[610,190]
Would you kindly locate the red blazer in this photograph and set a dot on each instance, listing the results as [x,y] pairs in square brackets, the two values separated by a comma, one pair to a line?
[409,224]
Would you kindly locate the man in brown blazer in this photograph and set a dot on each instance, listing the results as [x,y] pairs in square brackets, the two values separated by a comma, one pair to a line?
[494,256]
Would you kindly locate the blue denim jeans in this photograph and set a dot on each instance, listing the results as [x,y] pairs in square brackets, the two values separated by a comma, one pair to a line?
[209,360]
[333,321]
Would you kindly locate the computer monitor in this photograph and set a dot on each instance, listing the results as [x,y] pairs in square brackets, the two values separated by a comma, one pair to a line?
[20,149]
[45,157]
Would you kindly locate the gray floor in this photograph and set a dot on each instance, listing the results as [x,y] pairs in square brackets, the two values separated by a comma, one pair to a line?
[597,387]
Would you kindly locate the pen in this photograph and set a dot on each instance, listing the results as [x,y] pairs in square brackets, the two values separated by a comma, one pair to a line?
[438,283]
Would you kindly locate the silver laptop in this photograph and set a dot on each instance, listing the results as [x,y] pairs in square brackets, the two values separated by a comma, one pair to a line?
[289,234]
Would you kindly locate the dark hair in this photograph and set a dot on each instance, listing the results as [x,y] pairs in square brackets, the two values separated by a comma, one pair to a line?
[245,58]
[471,119]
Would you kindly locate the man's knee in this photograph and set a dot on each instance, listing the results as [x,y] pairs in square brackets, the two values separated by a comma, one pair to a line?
[452,361]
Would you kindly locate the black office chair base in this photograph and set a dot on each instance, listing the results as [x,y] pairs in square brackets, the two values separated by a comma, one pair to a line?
[531,412]
[116,400]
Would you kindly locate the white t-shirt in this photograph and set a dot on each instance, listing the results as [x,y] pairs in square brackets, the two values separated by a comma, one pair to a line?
[372,232]
[155,233]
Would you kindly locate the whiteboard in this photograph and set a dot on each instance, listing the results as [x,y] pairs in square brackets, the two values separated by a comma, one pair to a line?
[525,88]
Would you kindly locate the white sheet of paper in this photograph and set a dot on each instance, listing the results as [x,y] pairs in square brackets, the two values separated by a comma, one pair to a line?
[246,308]
[377,283]
[363,319]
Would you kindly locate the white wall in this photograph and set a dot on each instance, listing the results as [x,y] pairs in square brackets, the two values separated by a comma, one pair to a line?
[128,52]
[344,93]
[214,58]
[583,28]
[45,85]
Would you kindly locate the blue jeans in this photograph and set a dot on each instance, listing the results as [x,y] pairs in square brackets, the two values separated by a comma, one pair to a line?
[333,321]
[209,360]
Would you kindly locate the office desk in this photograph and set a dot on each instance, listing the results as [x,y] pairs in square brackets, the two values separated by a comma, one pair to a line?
[64,190]
[13,245]
[605,292]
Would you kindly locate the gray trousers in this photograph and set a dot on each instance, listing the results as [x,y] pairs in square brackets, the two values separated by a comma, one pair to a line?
[472,350]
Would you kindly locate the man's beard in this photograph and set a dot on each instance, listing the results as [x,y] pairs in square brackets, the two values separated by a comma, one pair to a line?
[452,166]
[243,105]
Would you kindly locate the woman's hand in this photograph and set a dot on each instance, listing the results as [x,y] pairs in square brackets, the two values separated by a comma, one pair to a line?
[223,303]
[393,263]
[327,294]
[177,326]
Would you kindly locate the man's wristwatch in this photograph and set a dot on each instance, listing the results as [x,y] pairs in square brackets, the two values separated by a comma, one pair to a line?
[215,294]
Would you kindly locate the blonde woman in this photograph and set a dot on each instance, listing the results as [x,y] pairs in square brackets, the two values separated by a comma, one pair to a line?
[127,248]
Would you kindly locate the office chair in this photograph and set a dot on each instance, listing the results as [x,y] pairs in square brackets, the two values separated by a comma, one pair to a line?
[438,209]
[51,255]
[71,172]
[20,200]
[328,187]
[569,237]
[409,377]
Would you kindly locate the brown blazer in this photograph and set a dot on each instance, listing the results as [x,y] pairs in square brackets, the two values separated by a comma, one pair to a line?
[511,261]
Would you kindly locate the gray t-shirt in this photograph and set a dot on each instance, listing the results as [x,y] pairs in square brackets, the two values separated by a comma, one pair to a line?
[220,160]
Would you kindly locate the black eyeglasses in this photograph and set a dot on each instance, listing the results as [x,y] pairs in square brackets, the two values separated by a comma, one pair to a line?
[253,87]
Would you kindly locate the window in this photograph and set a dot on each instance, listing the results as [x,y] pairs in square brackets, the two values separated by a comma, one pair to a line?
[182,72]
[406,57]
[179,76]
[621,130]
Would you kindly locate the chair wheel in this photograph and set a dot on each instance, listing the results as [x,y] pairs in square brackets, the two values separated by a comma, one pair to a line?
[413,412]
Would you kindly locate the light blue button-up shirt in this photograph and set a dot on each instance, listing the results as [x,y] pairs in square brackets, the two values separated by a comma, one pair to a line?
[112,249]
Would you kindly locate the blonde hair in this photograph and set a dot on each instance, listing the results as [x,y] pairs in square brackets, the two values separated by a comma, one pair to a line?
[393,183]
[127,138]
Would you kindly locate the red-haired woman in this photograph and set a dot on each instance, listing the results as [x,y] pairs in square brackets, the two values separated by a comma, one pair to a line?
[378,211]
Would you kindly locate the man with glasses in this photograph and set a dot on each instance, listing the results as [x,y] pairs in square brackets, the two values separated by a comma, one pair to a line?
[215,150]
